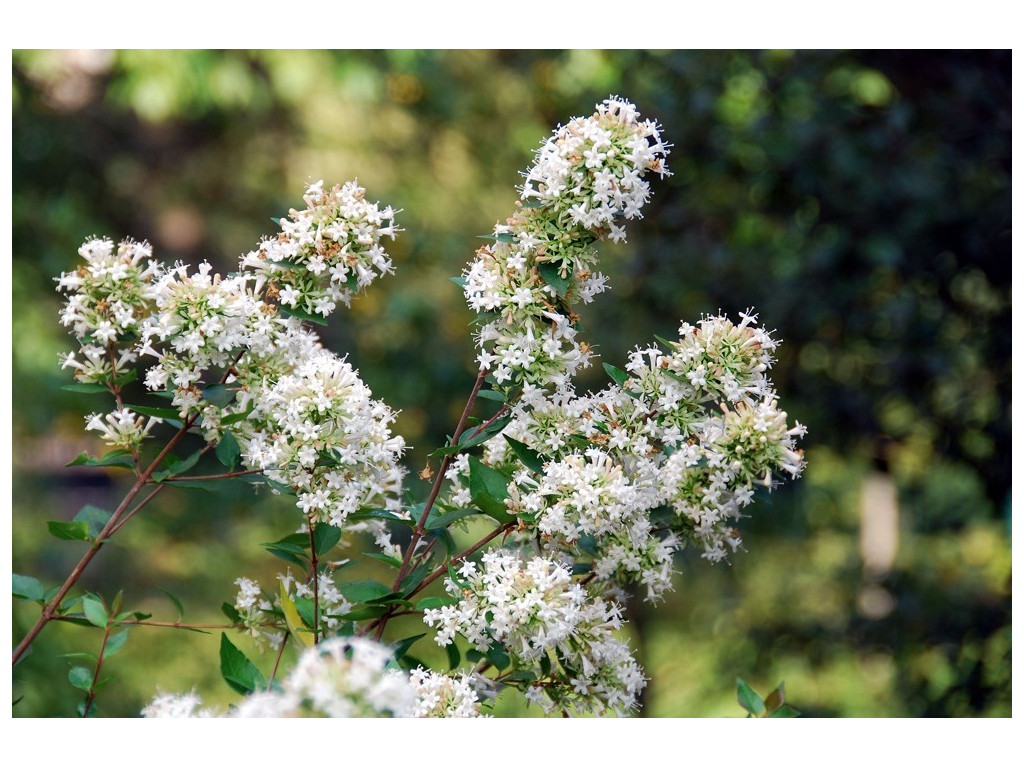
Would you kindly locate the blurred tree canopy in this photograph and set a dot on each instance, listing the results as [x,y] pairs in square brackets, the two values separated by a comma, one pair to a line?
[860,201]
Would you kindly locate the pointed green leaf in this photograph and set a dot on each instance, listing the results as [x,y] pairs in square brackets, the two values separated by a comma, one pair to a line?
[76,530]
[26,588]
[115,643]
[454,659]
[94,517]
[159,413]
[785,711]
[177,604]
[363,591]
[325,537]
[220,395]
[530,458]
[618,375]
[428,603]
[748,698]
[553,277]
[94,611]
[402,646]
[238,672]
[228,450]
[489,489]
[86,389]
[81,678]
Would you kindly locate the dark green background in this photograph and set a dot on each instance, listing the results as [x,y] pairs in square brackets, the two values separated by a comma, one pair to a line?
[859,200]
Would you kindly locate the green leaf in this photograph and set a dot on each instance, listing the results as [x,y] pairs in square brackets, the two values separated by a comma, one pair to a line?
[497,656]
[363,591]
[291,548]
[116,458]
[665,342]
[785,711]
[220,395]
[81,678]
[443,521]
[234,418]
[413,579]
[490,394]
[545,665]
[618,375]
[394,562]
[236,669]
[115,643]
[160,413]
[428,603]
[748,698]
[231,612]
[86,389]
[177,604]
[454,658]
[293,620]
[178,466]
[489,489]
[553,277]
[76,530]
[94,611]
[303,315]
[26,588]
[378,514]
[228,451]
[530,458]
[94,517]
[86,708]
[361,614]
[325,537]
[402,646]
[459,281]
[470,439]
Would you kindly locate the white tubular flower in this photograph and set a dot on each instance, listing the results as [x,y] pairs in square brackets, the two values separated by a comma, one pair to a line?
[122,427]
[587,177]
[327,253]
[536,613]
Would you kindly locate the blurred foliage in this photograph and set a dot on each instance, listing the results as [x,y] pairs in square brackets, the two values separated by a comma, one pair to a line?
[859,200]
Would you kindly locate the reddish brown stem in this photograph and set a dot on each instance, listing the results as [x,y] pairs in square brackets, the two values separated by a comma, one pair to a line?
[51,608]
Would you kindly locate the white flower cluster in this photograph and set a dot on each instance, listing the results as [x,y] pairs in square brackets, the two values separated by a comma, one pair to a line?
[318,431]
[541,618]
[674,453]
[439,695]
[260,613]
[586,177]
[224,352]
[328,252]
[108,298]
[341,677]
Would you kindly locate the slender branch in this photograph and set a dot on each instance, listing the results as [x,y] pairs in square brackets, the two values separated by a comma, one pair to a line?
[280,653]
[91,695]
[222,476]
[314,566]
[138,506]
[51,608]
[417,533]
[113,524]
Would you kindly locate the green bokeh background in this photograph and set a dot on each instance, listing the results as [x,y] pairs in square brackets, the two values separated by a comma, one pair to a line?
[859,200]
